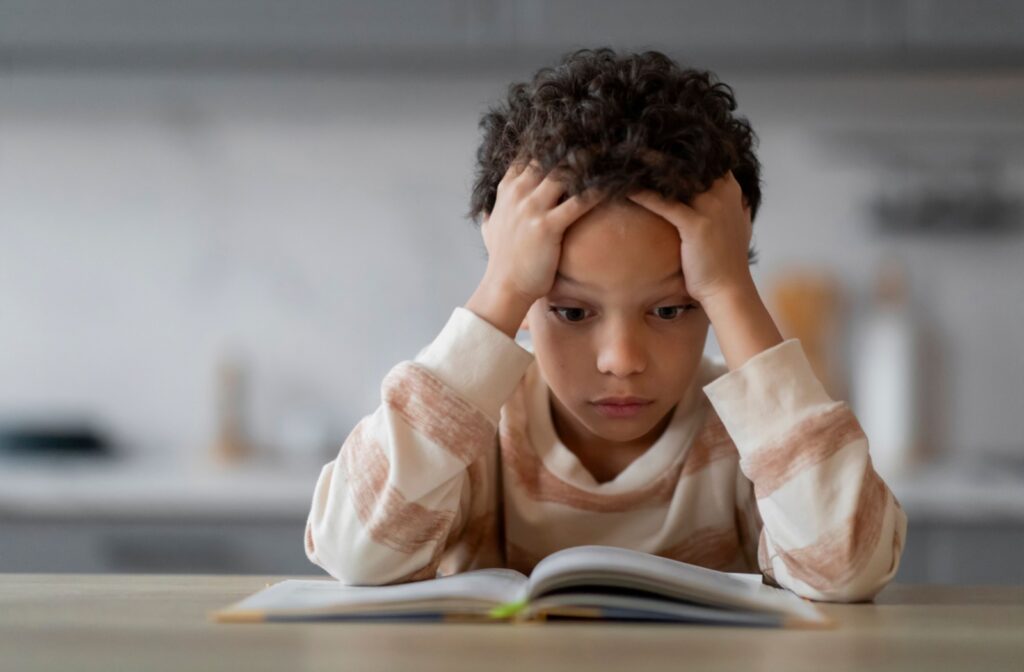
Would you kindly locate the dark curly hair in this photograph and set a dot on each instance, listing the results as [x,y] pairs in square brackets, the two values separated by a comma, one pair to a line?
[619,123]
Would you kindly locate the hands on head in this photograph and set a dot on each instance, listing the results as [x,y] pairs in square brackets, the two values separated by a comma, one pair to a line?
[715,230]
[523,232]
[523,236]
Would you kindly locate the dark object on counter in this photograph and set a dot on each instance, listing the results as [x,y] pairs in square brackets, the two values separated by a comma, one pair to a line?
[52,440]
[932,211]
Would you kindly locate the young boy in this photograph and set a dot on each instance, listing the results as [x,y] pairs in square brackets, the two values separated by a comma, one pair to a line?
[617,195]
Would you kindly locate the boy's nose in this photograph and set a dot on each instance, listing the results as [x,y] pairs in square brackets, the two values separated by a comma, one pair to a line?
[622,354]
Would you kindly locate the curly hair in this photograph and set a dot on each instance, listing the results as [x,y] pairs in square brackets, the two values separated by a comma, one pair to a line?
[619,123]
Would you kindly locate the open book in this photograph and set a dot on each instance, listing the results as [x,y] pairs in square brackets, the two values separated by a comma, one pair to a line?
[582,582]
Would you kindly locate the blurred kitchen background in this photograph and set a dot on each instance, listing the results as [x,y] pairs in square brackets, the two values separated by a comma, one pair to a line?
[223,221]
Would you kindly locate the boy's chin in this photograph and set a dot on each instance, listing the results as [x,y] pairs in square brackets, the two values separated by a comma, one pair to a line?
[627,430]
[624,430]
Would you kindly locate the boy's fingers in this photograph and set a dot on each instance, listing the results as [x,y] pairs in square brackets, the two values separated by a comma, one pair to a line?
[530,176]
[514,170]
[649,200]
[547,193]
[574,207]
[676,212]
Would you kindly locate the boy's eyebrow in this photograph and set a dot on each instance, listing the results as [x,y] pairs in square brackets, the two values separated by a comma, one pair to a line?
[559,276]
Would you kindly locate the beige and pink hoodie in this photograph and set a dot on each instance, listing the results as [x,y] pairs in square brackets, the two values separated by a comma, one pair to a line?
[460,468]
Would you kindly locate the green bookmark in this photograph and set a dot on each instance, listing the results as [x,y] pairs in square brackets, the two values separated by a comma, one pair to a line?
[507,609]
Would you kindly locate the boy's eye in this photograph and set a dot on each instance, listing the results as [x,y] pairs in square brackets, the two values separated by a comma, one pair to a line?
[574,311]
[681,309]
[578,314]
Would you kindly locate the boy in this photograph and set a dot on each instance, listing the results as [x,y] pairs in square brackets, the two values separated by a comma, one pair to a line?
[617,194]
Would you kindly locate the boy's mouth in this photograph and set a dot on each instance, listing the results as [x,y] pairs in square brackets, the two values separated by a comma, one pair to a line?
[621,407]
[622,401]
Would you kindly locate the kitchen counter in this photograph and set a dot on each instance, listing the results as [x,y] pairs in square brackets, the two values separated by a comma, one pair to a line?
[964,491]
[966,521]
[949,491]
[100,489]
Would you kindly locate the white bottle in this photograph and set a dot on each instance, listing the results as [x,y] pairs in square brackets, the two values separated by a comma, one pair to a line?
[886,389]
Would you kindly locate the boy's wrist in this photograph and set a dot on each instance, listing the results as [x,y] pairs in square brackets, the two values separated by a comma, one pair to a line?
[501,307]
[730,296]
[743,326]
[476,360]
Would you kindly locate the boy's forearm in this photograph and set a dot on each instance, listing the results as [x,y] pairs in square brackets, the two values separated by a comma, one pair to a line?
[500,307]
[742,324]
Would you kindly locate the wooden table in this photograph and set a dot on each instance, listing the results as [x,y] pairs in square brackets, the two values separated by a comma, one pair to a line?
[157,622]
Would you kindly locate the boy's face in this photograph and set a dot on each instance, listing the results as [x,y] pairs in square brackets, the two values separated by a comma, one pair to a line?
[616,332]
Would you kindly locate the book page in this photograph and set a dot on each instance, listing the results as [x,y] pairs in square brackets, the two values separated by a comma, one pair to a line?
[620,567]
[329,596]
[632,607]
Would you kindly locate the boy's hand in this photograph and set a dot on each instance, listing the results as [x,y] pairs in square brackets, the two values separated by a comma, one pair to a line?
[715,231]
[523,233]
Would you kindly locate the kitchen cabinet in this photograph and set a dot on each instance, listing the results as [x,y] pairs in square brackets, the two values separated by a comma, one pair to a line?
[461,34]
[165,546]
[151,516]
[957,552]
[934,25]
[719,27]
[966,520]
[231,31]
[936,551]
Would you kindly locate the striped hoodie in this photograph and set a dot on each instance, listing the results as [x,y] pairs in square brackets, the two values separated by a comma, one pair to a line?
[460,468]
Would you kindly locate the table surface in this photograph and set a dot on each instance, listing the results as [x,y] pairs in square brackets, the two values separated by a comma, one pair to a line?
[157,622]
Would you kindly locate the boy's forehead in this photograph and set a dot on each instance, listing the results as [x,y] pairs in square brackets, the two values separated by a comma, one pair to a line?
[620,209]
[619,245]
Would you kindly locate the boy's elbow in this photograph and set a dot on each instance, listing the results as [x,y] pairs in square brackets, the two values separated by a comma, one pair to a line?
[862,587]
[359,561]
[357,573]
[883,568]
[845,572]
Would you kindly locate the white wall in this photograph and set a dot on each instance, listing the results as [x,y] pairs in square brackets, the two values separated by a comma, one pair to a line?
[150,224]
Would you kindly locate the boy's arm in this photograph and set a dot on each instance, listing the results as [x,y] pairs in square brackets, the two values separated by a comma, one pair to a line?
[397,494]
[743,325]
[827,527]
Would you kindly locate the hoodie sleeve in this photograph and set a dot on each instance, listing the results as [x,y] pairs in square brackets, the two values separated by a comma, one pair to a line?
[397,494]
[820,521]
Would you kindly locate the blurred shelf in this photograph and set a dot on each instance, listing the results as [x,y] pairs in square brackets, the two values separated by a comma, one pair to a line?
[457,35]
[964,490]
[951,491]
[966,520]
[125,490]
